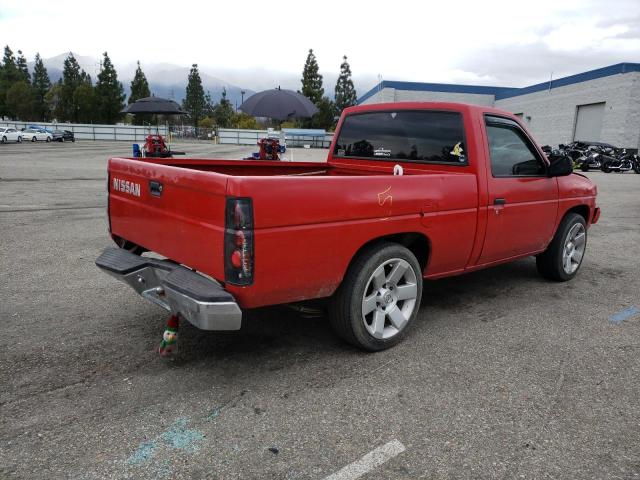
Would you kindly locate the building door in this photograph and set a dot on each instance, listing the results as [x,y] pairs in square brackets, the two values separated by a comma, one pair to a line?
[589,122]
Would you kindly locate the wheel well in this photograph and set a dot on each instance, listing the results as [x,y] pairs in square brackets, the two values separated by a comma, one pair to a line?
[582,210]
[418,243]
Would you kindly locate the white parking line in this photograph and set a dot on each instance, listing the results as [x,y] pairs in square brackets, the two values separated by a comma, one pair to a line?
[370,461]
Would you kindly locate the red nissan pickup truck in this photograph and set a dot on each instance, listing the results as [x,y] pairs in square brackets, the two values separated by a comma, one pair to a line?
[410,191]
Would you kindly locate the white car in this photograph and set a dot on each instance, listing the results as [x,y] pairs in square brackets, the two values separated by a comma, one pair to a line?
[36,134]
[10,135]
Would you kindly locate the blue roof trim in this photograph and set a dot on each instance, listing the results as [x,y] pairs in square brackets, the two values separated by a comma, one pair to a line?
[434,87]
[503,92]
[571,79]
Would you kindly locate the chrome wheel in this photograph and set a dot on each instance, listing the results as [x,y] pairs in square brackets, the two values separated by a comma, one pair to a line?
[389,298]
[574,246]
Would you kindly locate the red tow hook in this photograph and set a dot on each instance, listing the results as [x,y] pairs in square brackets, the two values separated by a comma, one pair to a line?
[169,343]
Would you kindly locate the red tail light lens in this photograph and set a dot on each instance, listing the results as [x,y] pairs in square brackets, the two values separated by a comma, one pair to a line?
[238,241]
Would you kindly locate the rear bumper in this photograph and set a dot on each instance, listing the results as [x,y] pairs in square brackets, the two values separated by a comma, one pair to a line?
[200,300]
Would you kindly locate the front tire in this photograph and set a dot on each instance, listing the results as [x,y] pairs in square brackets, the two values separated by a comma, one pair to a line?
[34,139]
[379,297]
[48,139]
[562,258]
[4,139]
[19,139]
[584,167]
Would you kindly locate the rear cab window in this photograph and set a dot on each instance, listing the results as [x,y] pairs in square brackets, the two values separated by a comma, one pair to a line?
[423,136]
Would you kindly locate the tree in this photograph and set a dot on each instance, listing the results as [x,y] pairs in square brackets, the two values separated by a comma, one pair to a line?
[326,117]
[209,106]
[345,92]
[84,97]
[20,100]
[109,93]
[72,77]
[8,76]
[245,121]
[223,112]
[139,89]
[53,99]
[23,69]
[194,101]
[41,85]
[311,79]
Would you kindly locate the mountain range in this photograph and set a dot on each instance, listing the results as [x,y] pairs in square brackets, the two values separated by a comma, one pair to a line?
[169,80]
[165,79]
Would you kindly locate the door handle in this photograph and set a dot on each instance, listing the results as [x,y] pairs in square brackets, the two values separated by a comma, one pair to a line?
[499,201]
[155,188]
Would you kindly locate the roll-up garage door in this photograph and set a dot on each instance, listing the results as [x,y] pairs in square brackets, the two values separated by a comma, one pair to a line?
[589,122]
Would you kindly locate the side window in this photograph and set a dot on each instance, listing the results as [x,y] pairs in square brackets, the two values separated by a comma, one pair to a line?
[512,155]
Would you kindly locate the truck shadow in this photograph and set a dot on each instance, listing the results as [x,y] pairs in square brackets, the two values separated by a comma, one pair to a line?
[267,331]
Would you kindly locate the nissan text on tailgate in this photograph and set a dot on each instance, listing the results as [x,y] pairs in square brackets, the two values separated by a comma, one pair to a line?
[410,191]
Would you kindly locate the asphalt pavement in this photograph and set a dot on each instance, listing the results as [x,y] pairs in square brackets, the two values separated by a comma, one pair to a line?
[504,375]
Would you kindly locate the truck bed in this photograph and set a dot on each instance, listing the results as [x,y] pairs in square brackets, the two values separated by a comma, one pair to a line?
[262,168]
[301,210]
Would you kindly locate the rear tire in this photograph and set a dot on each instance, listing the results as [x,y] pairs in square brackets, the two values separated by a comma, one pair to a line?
[48,139]
[19,139]
[563,257]
[584,167]
[386,280]
[605,168]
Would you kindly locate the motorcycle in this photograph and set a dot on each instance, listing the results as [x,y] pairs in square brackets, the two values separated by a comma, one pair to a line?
[622,162]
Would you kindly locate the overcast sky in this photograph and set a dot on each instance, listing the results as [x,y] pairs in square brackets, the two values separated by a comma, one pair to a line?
[506,43]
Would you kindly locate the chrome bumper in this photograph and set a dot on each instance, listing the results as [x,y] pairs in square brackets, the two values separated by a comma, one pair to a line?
[194,297]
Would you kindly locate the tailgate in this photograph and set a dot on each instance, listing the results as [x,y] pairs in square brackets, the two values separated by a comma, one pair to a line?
[178,213]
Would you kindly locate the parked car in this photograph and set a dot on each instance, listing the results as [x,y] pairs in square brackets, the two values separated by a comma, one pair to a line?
[63,136]
[36,135]
[410,191]
[10,135]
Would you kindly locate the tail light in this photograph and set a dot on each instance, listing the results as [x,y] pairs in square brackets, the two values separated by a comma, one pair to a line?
[238,241]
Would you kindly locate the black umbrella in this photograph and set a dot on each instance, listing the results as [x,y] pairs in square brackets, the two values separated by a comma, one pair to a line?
[154,105]
[279,105]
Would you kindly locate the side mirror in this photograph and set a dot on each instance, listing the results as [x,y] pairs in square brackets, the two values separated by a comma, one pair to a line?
[560,165]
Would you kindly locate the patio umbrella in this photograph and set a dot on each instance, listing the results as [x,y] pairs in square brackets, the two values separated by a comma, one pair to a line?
[279,105]
[154,105]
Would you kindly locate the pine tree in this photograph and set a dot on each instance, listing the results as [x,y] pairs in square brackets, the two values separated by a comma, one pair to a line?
[41,85]
[20,100]
[8,76]
[209,106]
[224,111]
[326,116]
[345,92]
[21,65]
[109,93]
[311,79]
[194,101]
[84,97]
[139,86]
[139,89]
[72,77]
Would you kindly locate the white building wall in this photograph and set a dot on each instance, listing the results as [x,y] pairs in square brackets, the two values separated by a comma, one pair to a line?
[393,95]
[553,112]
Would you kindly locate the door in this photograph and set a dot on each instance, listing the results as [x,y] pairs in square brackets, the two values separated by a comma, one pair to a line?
[589,122]
[523,200]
